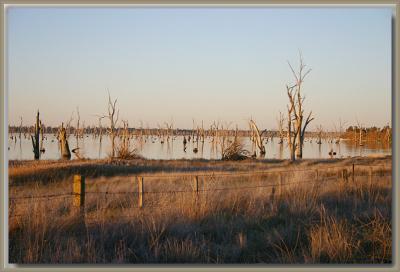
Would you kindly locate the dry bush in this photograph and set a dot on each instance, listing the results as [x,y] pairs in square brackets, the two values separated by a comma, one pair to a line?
[125,152]
[235,152]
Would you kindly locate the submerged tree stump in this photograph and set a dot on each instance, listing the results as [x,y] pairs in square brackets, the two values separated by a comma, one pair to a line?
[65,152]
[35,138]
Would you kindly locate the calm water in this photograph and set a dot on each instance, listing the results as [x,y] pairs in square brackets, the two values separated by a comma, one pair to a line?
[152,148]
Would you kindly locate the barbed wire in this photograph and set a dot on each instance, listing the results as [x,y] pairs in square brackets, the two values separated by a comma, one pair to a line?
[42,196]
[66,195]
[260,172]
[150,206]
[51,196]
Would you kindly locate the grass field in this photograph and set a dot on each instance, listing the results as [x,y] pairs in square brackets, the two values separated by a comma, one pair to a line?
[235,218]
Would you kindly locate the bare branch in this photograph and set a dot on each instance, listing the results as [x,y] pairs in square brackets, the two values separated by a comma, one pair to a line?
[304,76]
[294,74]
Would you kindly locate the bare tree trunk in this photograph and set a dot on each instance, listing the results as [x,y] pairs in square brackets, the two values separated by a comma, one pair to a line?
[65,152]
[35,140]
[258,139]
[20,128]
[320,131]
[113,122]
[280,127]
[298,100]
[360,131]
[291,139]
[42,137]
[293,128]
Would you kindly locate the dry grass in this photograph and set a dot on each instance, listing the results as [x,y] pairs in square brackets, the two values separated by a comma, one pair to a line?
[332,240]
[21,172]
[318,222]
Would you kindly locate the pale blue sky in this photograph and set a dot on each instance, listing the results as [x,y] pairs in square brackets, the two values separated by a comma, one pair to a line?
[226,64]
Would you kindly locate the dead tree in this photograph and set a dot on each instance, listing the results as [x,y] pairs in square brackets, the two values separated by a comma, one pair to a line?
[42,128]
[68,126]
[388,134]
[202,132]
[252,137]
[77,124]
[169,129]
[193,128]
[65,152]
[35,140]
[298,101]
[320,132]
[257,137]
[20,128]
[360,129]
[338,132]
[292,131]
[100,129]
[113,115]
[236,134]
[83,129]
[123,150]
[280,121]
[223,136]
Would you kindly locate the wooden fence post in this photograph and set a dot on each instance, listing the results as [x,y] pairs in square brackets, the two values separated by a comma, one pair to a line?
[78,188]
[140,191]
[352,179]
[272,198]
[345,176]
[195,186]
[280,183]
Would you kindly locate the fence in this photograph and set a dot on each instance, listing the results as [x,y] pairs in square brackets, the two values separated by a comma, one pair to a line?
[344,173]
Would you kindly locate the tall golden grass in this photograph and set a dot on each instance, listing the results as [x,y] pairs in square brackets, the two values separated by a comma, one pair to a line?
[309,222]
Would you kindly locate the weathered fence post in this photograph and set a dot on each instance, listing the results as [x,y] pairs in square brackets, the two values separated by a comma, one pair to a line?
[280,183]
[272,198]
[353,174]
[140,191]
[345,176]
[78,188]
[195,187]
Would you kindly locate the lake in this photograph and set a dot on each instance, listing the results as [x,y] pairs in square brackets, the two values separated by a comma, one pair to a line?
[152,148]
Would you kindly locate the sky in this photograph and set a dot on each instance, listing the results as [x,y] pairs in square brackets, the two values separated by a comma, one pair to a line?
[179,64]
